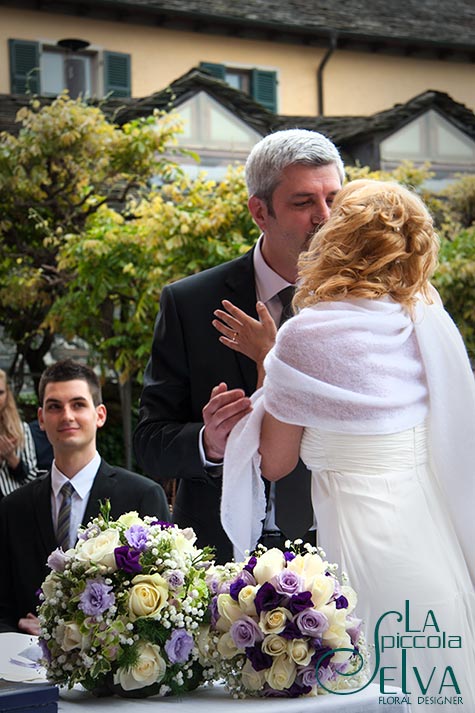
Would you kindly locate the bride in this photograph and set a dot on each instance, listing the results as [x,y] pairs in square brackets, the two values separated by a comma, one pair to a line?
[371,385]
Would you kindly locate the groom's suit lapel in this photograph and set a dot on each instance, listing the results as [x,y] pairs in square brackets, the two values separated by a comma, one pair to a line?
[101,490]
[43,515]
[242,287]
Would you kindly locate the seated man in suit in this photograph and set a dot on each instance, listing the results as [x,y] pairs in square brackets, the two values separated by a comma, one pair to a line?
[36,519]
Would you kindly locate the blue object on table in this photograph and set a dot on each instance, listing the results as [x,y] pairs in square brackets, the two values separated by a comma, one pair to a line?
[16,697]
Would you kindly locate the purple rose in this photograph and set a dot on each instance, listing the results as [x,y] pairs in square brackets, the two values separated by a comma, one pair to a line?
[267,598]
[127,559]
[311,622]
[292,631]
[235,587]
[322,656]
[259,660]
[136,536]
[287,582]
[57,560]
[245,632]
[341,602]
[289,556]
[300,601]
[294,691]
[96,598]
[179,646]
[175,578]
[251,563]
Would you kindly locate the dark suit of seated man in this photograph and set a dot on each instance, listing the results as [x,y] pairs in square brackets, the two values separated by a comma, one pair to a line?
[32,519]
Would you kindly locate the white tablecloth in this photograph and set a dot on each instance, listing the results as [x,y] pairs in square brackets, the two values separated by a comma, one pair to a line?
[216,700]
[209,699]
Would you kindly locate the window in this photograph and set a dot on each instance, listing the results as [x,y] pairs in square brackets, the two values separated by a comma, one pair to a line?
[49,69]
[430,137]
[260,84]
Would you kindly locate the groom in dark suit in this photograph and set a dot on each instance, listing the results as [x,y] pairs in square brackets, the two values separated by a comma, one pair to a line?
[196,385]
[35,520]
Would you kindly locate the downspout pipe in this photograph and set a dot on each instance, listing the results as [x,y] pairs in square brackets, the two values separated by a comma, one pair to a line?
[321,67]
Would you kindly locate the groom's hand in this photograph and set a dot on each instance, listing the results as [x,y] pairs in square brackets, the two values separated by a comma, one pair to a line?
[223,410]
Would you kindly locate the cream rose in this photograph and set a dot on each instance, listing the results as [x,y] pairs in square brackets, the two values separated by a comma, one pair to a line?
[69,637]
[246,599]
[300,652]
[308,566]
[226,646]
[100,549]
[322,589]
[49,585]
[336,636]
[274,645]
[273,622]
[268,565]
[228,610]
[282,673]
[351,597]
[130,518]
[148,595]
[150,668]
[252,680]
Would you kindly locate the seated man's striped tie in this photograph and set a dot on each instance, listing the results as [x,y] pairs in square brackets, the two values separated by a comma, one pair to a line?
[64,516]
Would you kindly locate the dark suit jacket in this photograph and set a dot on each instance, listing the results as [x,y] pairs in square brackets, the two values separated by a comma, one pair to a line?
[187,361]
[28,537]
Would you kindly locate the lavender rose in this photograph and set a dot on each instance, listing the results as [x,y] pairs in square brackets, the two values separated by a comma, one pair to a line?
[311,622]
[245,632]
[96,598]
[136,536]
[287,582]
[57,560]
[175,579]
[179,646]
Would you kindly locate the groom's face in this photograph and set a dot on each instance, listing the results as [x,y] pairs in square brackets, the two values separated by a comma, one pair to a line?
[300,203]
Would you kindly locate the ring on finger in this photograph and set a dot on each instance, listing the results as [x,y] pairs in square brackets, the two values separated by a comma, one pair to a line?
[235,336]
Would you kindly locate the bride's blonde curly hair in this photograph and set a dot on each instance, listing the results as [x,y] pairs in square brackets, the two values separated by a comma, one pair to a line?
[379,240]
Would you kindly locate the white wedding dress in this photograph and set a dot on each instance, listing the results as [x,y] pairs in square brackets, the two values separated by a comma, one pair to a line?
[382,517]
[387,403]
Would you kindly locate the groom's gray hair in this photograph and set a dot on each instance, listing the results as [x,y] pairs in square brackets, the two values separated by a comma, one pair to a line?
[272,154]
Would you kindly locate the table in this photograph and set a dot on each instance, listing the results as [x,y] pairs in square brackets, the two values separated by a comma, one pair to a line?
[208,699]
[215,700]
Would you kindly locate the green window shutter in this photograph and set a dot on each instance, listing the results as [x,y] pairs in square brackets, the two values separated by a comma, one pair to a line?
[24,67]
[264,88]
[117,74]
[217,70]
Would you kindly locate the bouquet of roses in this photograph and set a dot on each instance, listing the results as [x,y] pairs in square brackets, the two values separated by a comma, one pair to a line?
[120,611]
[283,626]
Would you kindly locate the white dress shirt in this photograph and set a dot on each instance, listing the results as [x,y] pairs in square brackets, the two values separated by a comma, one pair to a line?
[82,483]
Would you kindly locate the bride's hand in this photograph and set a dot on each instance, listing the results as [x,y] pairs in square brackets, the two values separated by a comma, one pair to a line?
[244,334]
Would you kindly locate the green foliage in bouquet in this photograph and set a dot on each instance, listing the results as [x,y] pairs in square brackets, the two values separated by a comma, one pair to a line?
[121,611]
